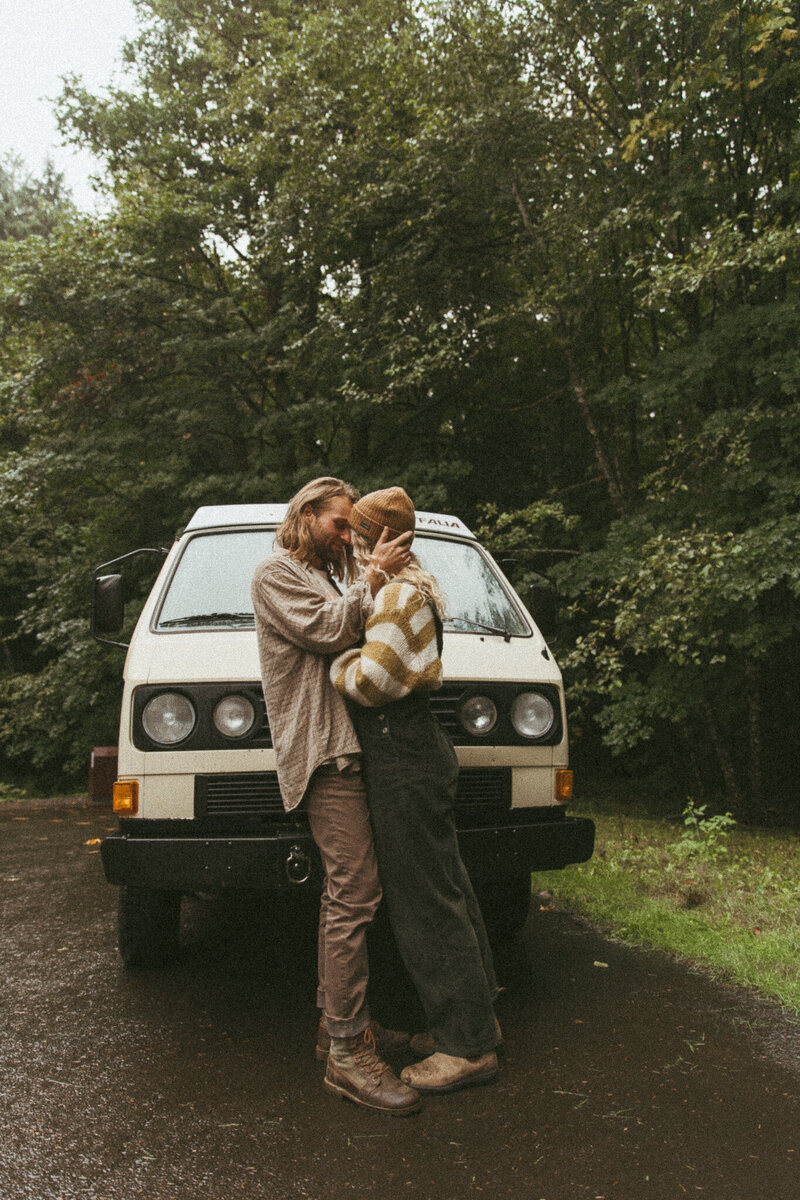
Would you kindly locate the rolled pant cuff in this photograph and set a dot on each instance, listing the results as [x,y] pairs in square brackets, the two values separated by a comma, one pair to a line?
[347,1029]
[465,1051]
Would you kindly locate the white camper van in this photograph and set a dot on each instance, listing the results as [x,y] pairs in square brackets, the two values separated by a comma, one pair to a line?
[197,795]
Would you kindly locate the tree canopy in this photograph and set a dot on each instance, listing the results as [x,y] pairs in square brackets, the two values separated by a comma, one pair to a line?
[537,262]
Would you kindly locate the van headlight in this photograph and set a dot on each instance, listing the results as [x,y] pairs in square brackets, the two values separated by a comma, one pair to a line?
[234,716]
[478,715]
[532,715]
[168,718]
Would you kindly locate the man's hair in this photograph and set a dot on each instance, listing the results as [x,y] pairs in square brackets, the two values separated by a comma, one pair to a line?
[294,535]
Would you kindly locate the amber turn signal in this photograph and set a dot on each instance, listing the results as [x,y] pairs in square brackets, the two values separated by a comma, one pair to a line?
[126,797]
[563,786]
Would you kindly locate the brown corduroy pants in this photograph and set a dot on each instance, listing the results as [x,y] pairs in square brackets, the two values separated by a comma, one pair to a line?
[337,813]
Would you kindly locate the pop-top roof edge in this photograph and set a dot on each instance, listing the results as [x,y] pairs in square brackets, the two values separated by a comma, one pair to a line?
[215,516]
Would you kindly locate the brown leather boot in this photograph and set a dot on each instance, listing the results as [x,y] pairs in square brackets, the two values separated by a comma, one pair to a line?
[355,1073]
[387,1041]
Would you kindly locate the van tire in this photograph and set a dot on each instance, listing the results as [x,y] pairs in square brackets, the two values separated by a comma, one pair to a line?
[148,923]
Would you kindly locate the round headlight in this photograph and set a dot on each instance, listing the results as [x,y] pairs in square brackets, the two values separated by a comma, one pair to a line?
[478,715]
[234,716]
[168,718]
[532,715]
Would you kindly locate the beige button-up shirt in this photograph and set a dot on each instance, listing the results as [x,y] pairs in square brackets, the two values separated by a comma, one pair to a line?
[300,623]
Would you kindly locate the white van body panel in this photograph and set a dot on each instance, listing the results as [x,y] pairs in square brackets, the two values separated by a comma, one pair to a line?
[216,655]
[490,657]
[224,516]
[193,656]
[169,791]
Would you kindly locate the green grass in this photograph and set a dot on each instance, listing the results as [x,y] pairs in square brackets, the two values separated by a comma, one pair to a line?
[720,896]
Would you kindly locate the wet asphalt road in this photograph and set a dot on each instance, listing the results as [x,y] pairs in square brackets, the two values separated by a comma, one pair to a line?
[633,1080]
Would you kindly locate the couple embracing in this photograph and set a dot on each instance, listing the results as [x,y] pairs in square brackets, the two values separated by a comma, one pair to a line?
[349,630]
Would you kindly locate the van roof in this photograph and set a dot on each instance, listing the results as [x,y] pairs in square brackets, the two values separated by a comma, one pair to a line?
[213,516]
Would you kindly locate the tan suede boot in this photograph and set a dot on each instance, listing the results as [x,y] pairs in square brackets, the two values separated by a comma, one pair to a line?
[387,1041]
[448,1073]
[355,1073]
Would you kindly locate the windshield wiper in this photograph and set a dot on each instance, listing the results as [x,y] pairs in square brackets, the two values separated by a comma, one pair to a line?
[505,634]
[217,618]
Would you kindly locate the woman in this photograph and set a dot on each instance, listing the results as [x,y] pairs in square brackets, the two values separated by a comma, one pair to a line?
[411,771]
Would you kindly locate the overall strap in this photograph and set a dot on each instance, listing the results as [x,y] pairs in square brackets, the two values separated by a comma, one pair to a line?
[437,620]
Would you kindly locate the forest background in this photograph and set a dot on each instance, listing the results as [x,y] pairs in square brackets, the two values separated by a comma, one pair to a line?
[538,262]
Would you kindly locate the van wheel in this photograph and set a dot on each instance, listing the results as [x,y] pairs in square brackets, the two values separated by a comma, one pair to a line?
[148,921]
[505,904]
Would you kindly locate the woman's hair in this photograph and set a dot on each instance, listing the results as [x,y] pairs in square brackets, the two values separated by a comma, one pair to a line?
[414,574]
[293,534]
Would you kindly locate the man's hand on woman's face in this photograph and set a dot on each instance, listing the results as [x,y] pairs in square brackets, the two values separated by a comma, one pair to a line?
[392,554]
[388,558]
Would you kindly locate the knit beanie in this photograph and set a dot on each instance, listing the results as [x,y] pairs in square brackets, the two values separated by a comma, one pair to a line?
[390,507]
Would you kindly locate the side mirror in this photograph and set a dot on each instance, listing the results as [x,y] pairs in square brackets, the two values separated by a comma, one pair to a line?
[543,605]
[109,594]
[108,605]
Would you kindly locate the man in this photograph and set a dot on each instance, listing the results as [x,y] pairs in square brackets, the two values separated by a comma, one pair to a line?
[301,619]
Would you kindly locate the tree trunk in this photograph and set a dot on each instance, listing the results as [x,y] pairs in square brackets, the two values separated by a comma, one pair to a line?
[690,756]
[611,476]
[755,738]
[724,762]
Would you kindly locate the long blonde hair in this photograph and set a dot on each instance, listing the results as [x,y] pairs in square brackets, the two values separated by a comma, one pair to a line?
[294,535]
[413,573]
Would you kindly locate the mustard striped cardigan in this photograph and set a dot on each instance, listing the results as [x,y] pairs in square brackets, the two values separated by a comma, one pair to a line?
[399,654]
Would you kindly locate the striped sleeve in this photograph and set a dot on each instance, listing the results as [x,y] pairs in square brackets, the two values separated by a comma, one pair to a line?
[399,654]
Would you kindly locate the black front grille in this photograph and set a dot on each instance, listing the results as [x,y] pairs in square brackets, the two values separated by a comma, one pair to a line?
[444,706]
[483,787]
[257,795]
[262,736]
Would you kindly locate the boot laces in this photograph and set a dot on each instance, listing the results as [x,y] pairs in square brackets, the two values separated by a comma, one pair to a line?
[366,1055]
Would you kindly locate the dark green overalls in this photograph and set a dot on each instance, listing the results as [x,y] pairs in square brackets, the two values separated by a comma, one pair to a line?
[410,770]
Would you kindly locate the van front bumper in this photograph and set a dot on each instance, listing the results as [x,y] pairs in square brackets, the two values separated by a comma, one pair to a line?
[155,857]
[525,842]
[162,855]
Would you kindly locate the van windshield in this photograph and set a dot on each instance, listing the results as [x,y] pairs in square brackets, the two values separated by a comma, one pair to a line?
[210,587]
